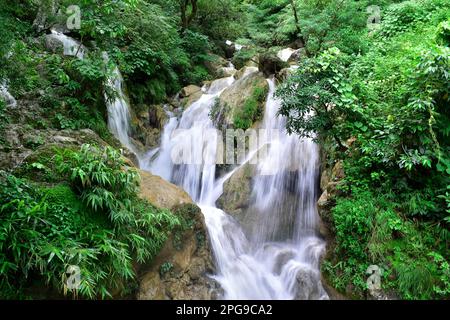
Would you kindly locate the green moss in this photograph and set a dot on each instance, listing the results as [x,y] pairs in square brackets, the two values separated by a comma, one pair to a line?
[62,194]
[252,109]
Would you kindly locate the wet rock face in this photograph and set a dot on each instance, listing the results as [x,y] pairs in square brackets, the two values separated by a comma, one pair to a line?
[270,64]
[189,90]
[215,64]
[233,99]
[147,125]
[53,45]
[309,286]
[20,142]
[181,268]
[230,50]
[161,193]
[237,191]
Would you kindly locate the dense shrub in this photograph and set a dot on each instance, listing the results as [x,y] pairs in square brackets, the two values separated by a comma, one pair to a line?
[97,223]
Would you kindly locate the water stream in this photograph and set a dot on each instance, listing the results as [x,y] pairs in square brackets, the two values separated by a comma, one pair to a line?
[278,256]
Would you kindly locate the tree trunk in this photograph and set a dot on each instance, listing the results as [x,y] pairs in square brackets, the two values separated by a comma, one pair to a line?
[185,19]
[297,24]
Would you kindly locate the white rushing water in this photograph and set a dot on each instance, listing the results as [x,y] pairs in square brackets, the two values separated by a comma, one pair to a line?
[275,257]
[278,257]
[194,139]
[7,96]
[70,45]
[119,116]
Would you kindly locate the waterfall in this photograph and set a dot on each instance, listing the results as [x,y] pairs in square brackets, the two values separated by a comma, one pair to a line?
[279,257]
[6,96]
[70,45]
[119,117]
[163,162]
[195,139]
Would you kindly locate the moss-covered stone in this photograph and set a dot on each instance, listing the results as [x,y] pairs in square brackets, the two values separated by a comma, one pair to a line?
[186,251]
[245,100]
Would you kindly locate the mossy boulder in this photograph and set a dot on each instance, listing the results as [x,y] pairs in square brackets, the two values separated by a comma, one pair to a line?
[161,193]
[147,124]
[243,102]
[214,63]
[180,270]
[235,198]
[270,64]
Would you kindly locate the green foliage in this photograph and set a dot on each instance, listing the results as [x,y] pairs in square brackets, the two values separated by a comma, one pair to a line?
[392,100]
[220,19]
[98,224]
[321,24]
[369,231]
[243,56]
[251,111]
[319,97]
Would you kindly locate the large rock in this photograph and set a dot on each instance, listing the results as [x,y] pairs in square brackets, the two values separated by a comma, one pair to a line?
[230,50]
[236,192]
[147,125]
[270,64]
[181,268]
[156,117]
[188,95]
[161,193]
[189,90]
[245,71]
[297,55]
[329,182]
[330,179]
[21,142]
[215,63]
[233,99]
[53,45]
[188,101]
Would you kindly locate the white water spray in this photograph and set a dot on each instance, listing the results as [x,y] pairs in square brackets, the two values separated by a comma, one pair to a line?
[71,46]
[7,96]
[278,257]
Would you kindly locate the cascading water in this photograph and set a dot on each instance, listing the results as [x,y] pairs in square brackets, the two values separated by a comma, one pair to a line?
[279,257]
[6,96]
[117,106]
[163,162]
[118,109]
[194,141]
[71,46]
